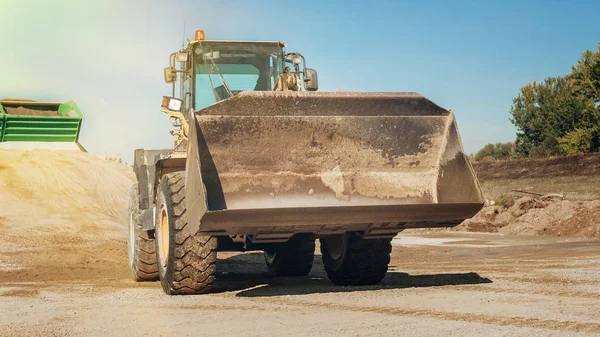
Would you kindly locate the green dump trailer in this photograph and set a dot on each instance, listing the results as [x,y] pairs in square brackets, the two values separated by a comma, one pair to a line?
[30,121]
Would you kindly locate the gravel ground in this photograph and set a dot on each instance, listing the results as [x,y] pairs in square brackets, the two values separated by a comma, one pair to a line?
[452,284]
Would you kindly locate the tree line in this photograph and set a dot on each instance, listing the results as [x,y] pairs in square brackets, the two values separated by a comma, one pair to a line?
[559,116]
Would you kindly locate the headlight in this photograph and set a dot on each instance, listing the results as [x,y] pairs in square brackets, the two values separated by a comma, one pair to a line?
[181,57]
[174,104]
[171,103]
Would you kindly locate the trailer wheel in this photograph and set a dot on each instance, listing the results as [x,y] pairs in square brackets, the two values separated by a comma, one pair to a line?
[186,261]
[141,247]
[350,260]
[292,258]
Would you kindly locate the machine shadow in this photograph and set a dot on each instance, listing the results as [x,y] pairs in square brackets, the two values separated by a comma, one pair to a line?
[248,274]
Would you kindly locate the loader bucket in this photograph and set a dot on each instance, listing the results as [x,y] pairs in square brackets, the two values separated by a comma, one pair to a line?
[30,121]
[268,162]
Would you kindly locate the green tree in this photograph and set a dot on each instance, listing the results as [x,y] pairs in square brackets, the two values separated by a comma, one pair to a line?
[544,112]
[585,75]
[585,81]
[580,141]
[560,115]
[498,151]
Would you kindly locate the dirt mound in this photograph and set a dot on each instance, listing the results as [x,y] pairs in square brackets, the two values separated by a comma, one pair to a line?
[62,191]
[547,215]
[551,196]
[62,218]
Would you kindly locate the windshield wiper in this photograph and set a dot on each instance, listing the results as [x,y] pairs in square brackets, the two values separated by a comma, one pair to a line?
[225,85]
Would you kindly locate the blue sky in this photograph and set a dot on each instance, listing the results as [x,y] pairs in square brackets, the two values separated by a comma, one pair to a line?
[469,56]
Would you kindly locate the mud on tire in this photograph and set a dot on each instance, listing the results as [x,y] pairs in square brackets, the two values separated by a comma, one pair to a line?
[140,244]
[190,263]
[292,258]
[350,260]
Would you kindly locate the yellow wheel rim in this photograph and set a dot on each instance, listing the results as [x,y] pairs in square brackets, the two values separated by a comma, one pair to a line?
[164,235]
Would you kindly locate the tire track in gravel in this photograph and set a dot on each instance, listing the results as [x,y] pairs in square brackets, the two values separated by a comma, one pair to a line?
[454,316]
[545,292]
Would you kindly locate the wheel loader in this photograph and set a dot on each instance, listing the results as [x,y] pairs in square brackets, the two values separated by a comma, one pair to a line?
[256,169]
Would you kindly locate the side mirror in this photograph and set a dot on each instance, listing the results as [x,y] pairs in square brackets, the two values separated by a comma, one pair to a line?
[311,80]
[296,59]
[170,75]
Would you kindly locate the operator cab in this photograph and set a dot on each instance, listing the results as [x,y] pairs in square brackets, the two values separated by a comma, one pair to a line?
[224,69]
[211,71]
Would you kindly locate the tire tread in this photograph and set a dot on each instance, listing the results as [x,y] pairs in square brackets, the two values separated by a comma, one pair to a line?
[365,261]
[192,258]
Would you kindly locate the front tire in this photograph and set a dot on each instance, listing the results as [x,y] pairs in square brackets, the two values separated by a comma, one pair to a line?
[292,258]
[186,261]
[141,246]
[350,260]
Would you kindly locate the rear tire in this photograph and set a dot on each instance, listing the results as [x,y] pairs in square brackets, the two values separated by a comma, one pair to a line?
[292,258]
[350,260]
[186,261]
[141,247]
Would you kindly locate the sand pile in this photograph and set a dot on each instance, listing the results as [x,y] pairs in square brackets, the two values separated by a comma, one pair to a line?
[65,192]
[37,111]
[547,215]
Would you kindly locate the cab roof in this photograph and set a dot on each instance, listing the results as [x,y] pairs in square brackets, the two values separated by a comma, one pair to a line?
[264,43]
